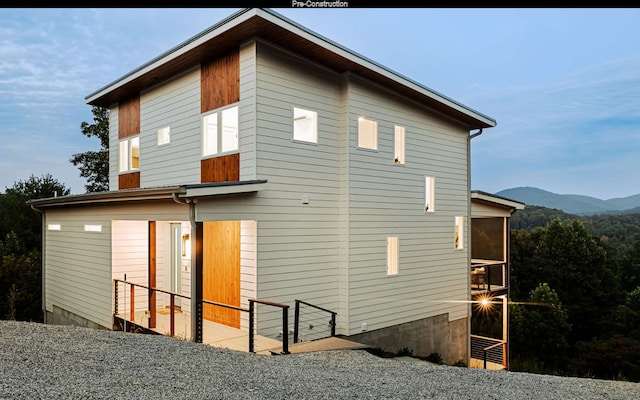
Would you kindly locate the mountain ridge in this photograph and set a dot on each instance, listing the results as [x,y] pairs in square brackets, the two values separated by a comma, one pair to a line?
[572,203]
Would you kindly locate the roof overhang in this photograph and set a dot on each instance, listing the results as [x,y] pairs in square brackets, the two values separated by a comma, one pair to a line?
[162,193]
[494,200]
[265,23]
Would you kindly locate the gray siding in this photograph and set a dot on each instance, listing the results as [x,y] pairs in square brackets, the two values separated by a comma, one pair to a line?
[298,257]
[114,148]
[387,199]
[176,104]
[78,265]
[247,140]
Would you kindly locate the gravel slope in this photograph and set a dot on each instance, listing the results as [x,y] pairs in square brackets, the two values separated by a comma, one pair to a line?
[39,361]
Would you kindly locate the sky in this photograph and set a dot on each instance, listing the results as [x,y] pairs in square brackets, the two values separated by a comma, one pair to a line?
[562,84]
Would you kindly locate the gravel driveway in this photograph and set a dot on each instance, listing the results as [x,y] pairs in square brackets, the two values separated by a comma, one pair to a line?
[39,361]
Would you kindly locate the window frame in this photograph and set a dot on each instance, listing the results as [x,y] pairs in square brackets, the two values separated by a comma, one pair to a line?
[128,157]
[361,131]
[162,135]
[399,145]
[429,194]
[393,255]
[314,126]
[219,137]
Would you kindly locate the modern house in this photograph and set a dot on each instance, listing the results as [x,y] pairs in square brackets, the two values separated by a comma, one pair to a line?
[260,160]
[490,254]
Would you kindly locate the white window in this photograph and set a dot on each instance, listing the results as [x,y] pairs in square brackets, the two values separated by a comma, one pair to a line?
[367,134]
[399,145]
[53,227]
[220,131]
[392,255]
[164,135]
[93,228]
[305,125]
[429,194]
[130,154]
[459,235]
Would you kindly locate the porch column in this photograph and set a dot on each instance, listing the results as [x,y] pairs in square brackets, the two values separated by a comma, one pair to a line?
[196,279]
[152,274]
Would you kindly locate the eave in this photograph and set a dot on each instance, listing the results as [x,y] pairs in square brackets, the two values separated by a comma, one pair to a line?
[246,24]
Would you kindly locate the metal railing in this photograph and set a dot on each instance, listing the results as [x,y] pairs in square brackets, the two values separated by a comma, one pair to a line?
[296,324]
[488,350]
[484,276]
[172,296]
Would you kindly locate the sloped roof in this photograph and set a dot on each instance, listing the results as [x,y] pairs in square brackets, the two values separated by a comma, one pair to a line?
[265,23]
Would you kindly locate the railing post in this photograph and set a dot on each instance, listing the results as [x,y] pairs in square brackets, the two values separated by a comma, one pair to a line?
[115,297]
[251,327]
[489,277]
[285,330]
[296,322]
[333,324]
[132,312]
[172,317]
[485,359]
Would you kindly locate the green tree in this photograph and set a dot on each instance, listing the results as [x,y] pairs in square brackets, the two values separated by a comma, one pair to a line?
[18,217]
[539,330]
[20,281]
[94,165]
[575,264]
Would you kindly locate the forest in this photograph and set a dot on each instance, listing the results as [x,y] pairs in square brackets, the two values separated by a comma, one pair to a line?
[575,294]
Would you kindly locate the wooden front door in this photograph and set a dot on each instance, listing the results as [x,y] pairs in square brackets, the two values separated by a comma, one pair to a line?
[221,271]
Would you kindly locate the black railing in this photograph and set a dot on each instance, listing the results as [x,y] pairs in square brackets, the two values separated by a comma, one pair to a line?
[488,350]
[152,314]
[296,324]
[486,275]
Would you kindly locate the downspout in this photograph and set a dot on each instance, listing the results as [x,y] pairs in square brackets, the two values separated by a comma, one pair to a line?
[42,266]
[194,281]
[470,305]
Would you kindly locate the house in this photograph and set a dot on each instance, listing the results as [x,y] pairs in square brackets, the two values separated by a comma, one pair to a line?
[260,160]
[490,272]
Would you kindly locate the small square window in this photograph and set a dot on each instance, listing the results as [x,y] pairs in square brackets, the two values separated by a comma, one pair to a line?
[53,227]
[164,135]
[399,145]
[459,235]
[93,228]
[305,125]
[429,194]
[367,134]
[392,255]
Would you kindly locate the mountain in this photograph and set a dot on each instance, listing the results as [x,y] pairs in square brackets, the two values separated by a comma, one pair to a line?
[572,203]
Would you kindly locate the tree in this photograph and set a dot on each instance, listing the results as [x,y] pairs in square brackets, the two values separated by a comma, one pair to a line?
[539,332]
[18,217]
[94,165]
[20,281]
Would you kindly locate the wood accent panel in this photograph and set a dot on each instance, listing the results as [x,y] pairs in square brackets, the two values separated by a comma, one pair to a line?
[129,117]
[220,169]
[129,181]
[221,271]
[220,82]
[152,274]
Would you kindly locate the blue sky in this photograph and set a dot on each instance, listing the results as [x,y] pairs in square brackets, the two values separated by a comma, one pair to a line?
[562,84]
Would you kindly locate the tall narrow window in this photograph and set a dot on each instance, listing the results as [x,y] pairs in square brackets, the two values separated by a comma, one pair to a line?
[399,145]
[164,135]
[459,235]
[130,154]
[220,131]
[392,255]
[305,125]
[429,194]
[367,134]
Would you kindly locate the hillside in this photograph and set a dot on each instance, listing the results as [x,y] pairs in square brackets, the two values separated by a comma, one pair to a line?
[572,203]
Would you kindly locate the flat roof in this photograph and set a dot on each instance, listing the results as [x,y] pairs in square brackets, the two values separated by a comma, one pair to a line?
[250,23]
[497,200]
[158,193]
